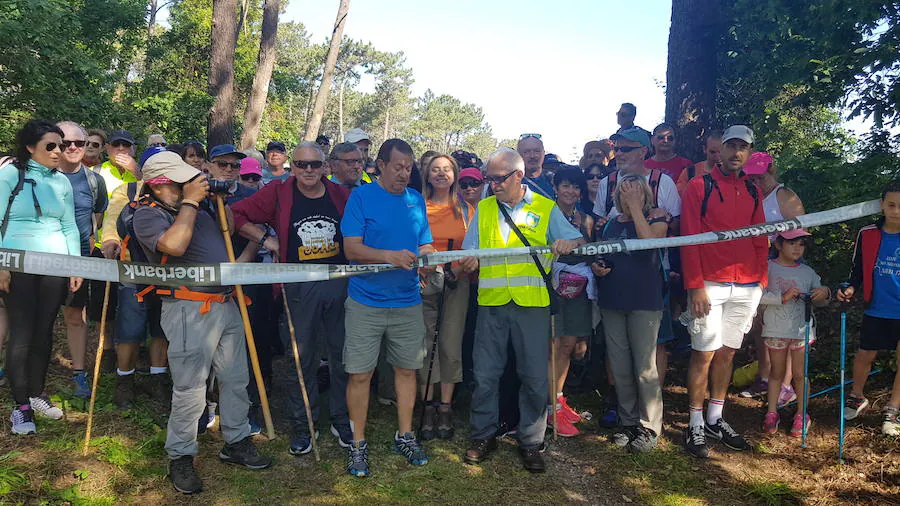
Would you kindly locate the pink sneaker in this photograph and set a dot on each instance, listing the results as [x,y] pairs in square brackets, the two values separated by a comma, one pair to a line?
[565,411]
[797,426]
[770,423]
[786,396]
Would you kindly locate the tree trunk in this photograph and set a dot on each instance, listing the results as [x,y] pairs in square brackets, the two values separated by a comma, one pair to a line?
[221,72]
[151,22]
[692,72]
[341,113]
[256,104]
[312,126]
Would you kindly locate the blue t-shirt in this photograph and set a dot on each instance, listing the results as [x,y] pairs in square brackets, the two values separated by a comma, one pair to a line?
[391,222]
[886,291]
[84,205]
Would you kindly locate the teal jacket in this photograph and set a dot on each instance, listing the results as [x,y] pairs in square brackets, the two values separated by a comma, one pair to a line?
[55,230]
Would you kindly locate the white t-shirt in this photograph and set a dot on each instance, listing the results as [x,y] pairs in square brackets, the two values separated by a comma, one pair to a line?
[667,197]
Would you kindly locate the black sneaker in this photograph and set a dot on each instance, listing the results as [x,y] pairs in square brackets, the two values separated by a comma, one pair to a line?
[532,460]
[358,459]
[695,441]
[244,453]
[407,445]
[184,476]
[22,421]
[124,395]
[624,436]
[723,432]
[301,443]
[644,441]
[344,434]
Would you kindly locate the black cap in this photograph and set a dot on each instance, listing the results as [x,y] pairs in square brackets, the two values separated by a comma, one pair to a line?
[276,146]
[121,135]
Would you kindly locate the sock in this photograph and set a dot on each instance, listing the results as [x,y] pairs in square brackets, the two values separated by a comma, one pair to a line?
[714,410]
[120,372]
[24,407]
[158,370]
[696,417]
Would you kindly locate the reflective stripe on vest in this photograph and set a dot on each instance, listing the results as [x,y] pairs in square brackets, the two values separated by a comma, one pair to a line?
[503,279]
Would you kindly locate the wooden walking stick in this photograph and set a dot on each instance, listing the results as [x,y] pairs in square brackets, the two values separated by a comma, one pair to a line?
[296,349]
[553,392]
[96,378]
[242,304]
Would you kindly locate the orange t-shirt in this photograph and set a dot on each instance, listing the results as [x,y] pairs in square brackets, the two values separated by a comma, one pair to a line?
[445,225]
[699,170]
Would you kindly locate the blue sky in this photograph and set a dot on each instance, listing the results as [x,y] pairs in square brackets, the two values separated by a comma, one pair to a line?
[558,68]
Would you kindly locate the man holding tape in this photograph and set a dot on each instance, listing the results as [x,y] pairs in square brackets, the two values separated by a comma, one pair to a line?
[203,325]
[724,281]
[513,305]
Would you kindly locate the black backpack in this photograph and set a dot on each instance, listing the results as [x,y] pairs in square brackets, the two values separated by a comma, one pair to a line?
[655,176]
[12,197]
[709,184]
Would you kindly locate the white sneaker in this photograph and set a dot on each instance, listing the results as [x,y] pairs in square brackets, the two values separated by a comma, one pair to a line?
[891,424]
[22,421]
[44,407]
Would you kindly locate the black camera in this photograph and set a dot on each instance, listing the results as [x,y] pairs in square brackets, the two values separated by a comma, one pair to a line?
[603,262]
[224,187]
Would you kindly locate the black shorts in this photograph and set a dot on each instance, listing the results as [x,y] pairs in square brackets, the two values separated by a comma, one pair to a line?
[78,299]
[879,333]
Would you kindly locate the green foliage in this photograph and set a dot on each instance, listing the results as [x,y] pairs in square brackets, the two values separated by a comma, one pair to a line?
[773,493]
[11,476]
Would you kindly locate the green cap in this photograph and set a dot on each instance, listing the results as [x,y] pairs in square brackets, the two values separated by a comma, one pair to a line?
[633,134]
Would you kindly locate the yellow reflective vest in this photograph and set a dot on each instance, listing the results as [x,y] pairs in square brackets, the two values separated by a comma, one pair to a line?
[517,279]
[114,178]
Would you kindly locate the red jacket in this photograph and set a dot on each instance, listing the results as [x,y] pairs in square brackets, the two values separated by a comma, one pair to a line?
[737,261]
[272,205]
[865,255]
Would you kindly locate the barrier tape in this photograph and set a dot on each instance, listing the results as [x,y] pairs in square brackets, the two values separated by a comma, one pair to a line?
[226,274]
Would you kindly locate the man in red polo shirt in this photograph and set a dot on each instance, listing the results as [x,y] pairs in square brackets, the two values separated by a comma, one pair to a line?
[664,157]
[724,281]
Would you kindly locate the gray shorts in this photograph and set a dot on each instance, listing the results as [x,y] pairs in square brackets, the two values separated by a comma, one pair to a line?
[403,331]
[575,317]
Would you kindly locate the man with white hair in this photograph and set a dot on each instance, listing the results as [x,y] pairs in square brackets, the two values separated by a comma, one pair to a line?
[531,148]
[156,140]
[514,304]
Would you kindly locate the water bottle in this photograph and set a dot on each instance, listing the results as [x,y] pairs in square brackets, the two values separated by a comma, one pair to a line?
[686,318]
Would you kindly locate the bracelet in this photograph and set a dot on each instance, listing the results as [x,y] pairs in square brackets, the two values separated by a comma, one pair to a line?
[192,203]
[262,240]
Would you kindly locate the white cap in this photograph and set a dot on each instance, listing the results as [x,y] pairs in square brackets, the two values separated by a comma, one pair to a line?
[355,135]
[741,132]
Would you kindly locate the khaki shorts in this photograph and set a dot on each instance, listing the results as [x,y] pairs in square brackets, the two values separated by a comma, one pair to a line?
[402,329]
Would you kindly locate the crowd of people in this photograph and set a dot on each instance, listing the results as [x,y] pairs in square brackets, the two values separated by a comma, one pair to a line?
[492,325]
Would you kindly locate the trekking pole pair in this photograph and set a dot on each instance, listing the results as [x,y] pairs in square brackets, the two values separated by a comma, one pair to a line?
[434,341]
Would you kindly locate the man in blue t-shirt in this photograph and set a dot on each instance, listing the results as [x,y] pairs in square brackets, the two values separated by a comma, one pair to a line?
[91,199]
[385,222]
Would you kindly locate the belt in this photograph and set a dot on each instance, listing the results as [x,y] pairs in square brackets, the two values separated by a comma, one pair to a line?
[183,293]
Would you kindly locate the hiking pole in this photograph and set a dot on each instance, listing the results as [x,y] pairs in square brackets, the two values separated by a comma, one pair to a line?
[843,372]
[296,349]
[808,309]
[830,389]
[553,343]
[434,343]
[97,360]
[242,305]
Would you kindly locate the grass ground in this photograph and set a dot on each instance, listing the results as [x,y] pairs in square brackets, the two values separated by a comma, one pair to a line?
[126,462]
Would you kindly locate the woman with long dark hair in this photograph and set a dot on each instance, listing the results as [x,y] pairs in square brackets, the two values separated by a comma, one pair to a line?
[38,210]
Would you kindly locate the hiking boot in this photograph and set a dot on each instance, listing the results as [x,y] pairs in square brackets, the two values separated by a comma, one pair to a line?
[564,427]
[184,476]
[854,405]
[797,426]
[301,443]
[344,434]
[358,459]
[244,453]
[427,432]
[644,441]
[161,389]
[108,361]
[622,437]
[532,460]
[409,447]
[891,424]
[81,389]
[480,450]
[695,441]
[42,406]
[445,424]
[786,396]
[756,389]
[22,419]
[566,411]
[723,432]
[124,395]
[770,423]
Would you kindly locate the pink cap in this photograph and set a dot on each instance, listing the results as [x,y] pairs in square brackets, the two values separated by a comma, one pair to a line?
[794,234]
[473,173]
[250,165]
[758,163]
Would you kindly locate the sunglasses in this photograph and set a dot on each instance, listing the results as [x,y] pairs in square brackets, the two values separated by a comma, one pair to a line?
[525,136]
[77,144]
[350,161]
[498,179]
[158,145]
[222,164]
[52,146]
[250,177]
[304,164]
[665,137]
[95,145]
[594,176]
[627,149]
[465,185]
[120,144]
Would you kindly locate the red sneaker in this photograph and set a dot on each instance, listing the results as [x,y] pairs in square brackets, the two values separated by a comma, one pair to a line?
[565,428]
[565,411]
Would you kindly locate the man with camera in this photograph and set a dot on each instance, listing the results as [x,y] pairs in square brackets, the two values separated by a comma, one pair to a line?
[175,225]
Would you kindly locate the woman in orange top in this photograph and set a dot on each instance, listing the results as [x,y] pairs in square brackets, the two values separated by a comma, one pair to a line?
[449,218]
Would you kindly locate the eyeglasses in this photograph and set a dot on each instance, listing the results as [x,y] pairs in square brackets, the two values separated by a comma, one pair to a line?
[222,164]
[627,149]
[465,185]
[251,177]
[304,164]
[52,146]
[665,137]
[350,161]
[158,145]
[77,144]
[498,179]
[120,144]
[525,136]
[594,176]
[95,145]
